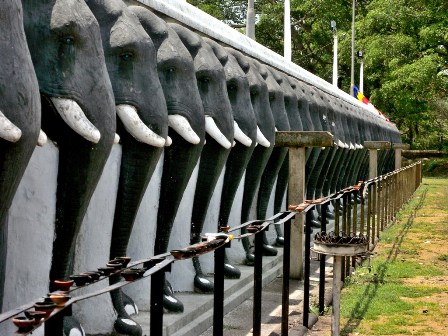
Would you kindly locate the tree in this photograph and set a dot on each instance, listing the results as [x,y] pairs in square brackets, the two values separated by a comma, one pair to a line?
[405,43]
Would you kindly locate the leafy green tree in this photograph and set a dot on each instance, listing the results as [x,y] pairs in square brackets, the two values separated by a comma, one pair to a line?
[405,43]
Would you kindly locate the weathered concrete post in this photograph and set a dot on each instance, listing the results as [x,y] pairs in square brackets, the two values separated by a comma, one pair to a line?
[398,148]
[373,147]
[297,142]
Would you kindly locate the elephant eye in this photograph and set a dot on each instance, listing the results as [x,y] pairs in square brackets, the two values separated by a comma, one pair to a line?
[271,97]
[68,40]
[231,87]
[169,71]
[126,56]
[204,80]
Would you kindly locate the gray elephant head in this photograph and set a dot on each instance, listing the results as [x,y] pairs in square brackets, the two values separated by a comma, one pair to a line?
[177,76]
[219,124]
[302,103]
[277,103]
[288,85]
[142,121]
[78,110]
[245,126]
[313,106]
[211,81]
[19,113]
[265,138]
[291,103]
[337,127]
[186,119]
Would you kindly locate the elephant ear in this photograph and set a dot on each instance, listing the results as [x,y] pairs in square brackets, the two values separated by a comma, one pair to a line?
[292,82]
[262,69]
[242,60]
[218,50]
[191,40]
[156,28]
[277,75]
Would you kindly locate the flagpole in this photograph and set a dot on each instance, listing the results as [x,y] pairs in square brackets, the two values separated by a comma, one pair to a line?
[250,23]
[335,53]
[287,52]
[361,71]
[352,72]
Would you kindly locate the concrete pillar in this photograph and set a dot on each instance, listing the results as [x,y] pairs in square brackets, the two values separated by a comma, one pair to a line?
[374,147]
[398,148]
[373,163]
[296,195]
[297,142]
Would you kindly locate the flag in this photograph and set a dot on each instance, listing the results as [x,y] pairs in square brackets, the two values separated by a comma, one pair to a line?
[360,96]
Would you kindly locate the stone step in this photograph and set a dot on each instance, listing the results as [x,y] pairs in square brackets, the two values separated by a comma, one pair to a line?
[198,308]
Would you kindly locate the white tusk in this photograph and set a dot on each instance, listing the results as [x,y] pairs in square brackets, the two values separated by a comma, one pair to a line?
[340,144]
[136,127]
[181,125]
[261,139]
[234,143]
[351,146]
[240,136]
[212,129]
[42,139]
[168,141]
[116,139]
[72,114]
[9,131]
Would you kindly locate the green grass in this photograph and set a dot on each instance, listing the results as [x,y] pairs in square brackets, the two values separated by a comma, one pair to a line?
[379,300]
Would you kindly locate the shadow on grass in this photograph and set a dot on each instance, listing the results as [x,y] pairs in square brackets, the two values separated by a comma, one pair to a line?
[369,294]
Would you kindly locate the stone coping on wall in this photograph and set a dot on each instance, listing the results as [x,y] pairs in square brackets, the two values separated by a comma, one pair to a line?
[303,139]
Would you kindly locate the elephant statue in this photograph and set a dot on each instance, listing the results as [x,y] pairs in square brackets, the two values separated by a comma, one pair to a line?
[19,114]
[78,111]
[142,124]
[186,122]
[296,124]
[219,128]
[246,133]
[259,94]
[275,162]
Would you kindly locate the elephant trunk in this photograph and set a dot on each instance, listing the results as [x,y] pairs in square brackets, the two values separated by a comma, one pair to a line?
[75,189]
[235,166]
[137,166]
[212,162]
[282,183]
[179,162]
[257,166]
[268,179]
[81,164]
[3,253]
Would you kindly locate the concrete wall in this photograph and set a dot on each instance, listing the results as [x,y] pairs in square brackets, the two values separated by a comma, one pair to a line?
[31,231]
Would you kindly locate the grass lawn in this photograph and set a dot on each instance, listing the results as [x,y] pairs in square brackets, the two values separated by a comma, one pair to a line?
[405,289]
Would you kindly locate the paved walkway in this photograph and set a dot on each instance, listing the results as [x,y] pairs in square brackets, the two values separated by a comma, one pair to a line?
[239,321]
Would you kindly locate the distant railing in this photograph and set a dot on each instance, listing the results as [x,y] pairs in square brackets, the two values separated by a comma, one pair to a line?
[365,209]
